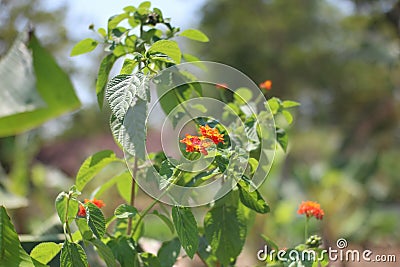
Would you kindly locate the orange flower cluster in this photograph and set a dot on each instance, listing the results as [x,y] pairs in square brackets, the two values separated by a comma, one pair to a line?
[267,85]
[212,133]
[310,209]
[82,211]
[200,143]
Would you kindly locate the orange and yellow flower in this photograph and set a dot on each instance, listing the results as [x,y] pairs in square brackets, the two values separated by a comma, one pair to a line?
[267,85]
[82,211]
[212,133]
[311,209]
[200,143]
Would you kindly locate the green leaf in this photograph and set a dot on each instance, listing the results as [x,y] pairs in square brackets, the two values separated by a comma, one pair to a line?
[149,260]
[93,165]
[18,92]
[115,20]
[225,230]
[118,179]
[11,251]
[186,228]
[84,46]
[102,77]
[253,164]
[124,250]
[143,8]
[282,138]
[128,66]
[52,84]
[72,255]
[66,207]
[96,220]
[166,220]
[169,252]
[45,252]
[195,35]
[288,116]
[104,252]
[135,125]
[243,95]
[274,104]
[124,185]
[102,32]
[289,104]
[252,198]
[167,47]
[125,211]
[84,229]
[122,91]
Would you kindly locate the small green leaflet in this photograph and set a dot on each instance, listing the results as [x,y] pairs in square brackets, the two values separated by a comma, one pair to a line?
[84,46]
[186,228]
[195,35]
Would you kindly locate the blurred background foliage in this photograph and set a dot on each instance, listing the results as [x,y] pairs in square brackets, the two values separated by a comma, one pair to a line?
[340,59]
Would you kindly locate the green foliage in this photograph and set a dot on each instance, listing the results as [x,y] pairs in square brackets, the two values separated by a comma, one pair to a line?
[169,252]
[45,252]
[195,35]
[225,230]
[93,165]
[45,92]
[124,211]
[186,228]
[73,255]
[84,46]
[95,220]
[11,251]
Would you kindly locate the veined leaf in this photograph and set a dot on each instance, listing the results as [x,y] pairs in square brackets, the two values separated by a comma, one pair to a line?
[11,251]
[169,252]
[225,230]
[93,165]
[252,198]
[124,250]
[135,125]
[124,211]
[186,228]
[120,93]
[45,252]
[66,207]
[73,255]
[167,47]
[96,220]
[102,77]
[84,46]
[195,35]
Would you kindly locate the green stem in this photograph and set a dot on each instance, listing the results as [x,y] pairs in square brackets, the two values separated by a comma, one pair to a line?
[132,200]
[66,220]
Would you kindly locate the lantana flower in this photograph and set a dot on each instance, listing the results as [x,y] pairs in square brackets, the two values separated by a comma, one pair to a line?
[311,209]
[267,85]
[201,143]
[82,211]
[212,133]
